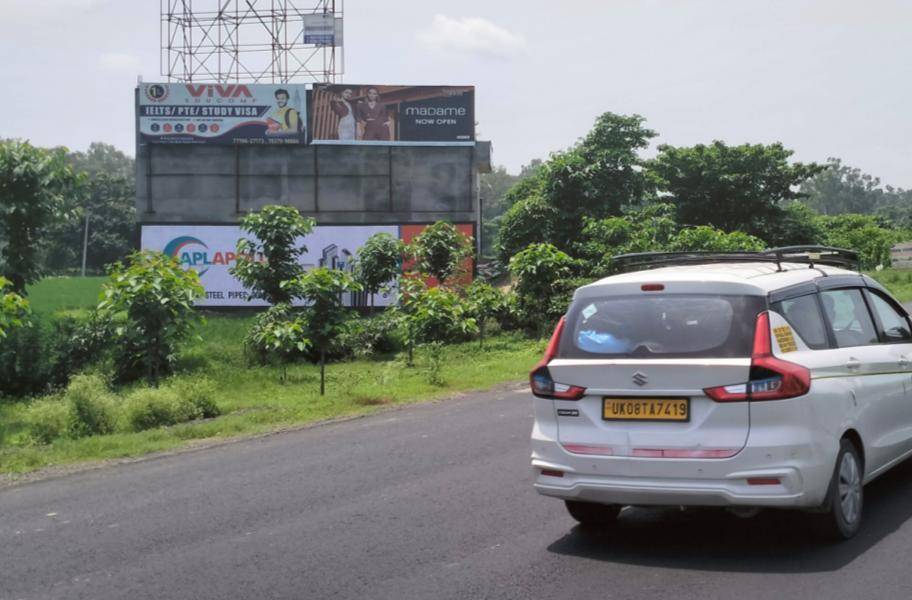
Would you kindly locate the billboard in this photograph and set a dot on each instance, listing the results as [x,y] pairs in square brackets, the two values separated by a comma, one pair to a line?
[322,29]
[230,113]
[388,113]
[211,251]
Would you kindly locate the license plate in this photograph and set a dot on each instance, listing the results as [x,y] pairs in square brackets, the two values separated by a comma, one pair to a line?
[646,409]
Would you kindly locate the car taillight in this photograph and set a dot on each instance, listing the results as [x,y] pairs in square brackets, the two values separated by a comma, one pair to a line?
[540,379]
[771,378]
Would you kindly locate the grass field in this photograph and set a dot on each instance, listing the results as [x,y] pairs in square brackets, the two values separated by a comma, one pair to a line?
[253,399]
[55,294]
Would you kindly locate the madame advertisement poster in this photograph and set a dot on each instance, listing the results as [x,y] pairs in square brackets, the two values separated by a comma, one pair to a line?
[349,113]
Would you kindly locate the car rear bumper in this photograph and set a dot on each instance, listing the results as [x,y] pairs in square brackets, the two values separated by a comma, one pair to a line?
[803,472]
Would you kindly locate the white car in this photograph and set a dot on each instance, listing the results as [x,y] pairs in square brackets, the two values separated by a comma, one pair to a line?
[747,380]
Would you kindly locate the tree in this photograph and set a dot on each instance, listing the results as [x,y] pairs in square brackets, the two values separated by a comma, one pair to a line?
[441,251]
[270,258]
[599,177]
[322,289]
[34,184]
[645,229]
[730,187]
[862,233]
[440,315]
[148,306]
[109,203]
[529,221]
[379,262]
[709,239]
[484,302]
[797,225]
[842,189]
[539,271]
[13,308]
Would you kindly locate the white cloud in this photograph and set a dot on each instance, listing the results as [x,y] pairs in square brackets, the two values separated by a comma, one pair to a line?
[472,35]
[119,61]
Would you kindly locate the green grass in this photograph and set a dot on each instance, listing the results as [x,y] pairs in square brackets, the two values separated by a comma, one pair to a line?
[56,294]
[898,281]
[253,399]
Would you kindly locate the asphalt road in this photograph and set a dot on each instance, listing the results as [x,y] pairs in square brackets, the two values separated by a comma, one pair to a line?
[429,502]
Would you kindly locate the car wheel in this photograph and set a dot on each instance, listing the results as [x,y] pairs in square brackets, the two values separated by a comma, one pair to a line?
[841,518]
[592,514]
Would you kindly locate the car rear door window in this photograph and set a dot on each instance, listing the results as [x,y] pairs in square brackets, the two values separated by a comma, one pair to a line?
[803,313]
[666,326]
[894,327]
[848,317]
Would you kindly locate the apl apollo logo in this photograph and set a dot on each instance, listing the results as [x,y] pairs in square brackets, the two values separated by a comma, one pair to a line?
[193,253]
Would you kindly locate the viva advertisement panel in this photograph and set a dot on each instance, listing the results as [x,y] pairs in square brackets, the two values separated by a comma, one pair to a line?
[211,251]
[343,113]
[230,113]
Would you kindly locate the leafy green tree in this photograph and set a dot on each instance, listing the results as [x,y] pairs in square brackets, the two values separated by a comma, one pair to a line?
[34,184]
[109,203]
[441,251]
[148,305]
[796,225]
[378,263]
[410,289]
[484,303]
[730,187]
[13,308]
[270,258]
[599,176]
[322,289]
[709,239]
[842,189]
[862,233]
[645,229]
[103,159]
[539,271]
[529,221]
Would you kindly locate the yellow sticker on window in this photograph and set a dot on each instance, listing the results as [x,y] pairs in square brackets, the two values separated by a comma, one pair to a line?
[785,338]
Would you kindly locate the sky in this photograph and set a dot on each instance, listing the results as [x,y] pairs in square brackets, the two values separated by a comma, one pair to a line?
[827,78]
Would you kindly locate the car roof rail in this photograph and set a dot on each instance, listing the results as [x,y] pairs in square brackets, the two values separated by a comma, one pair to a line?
[810,255]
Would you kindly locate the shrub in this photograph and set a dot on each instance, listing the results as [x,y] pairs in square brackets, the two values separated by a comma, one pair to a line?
[46,419]
[529,221]
[706,238]
[148,303]
[367,337]
[148,408]
[278,334]
[91,406]
[14,309]
[439,315]
[200,393]
[44,355]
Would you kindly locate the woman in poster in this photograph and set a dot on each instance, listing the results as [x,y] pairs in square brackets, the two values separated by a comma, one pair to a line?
[373,115]
[341,105]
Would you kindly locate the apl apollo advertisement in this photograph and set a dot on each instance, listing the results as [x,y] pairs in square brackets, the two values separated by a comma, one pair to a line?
[211,251]
[343,113]
[189,113]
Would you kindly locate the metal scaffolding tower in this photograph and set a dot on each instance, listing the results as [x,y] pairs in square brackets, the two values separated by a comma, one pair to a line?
[252,41]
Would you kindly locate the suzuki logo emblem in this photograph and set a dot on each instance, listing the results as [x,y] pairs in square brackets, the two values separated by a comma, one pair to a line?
[640,378]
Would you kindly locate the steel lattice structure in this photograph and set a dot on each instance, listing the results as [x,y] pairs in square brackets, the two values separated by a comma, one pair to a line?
[254,41]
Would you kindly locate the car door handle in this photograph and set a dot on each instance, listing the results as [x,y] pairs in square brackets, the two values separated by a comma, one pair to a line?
[853,364]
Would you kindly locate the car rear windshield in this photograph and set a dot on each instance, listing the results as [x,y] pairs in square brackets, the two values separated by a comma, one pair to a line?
[666,326]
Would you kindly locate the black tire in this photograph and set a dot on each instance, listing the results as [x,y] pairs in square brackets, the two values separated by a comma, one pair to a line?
[591,514]
[842,510]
